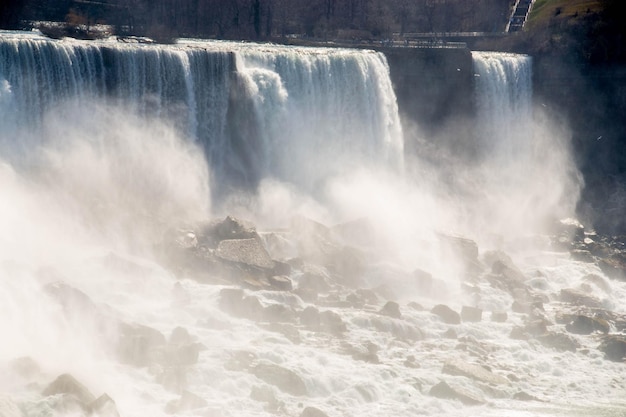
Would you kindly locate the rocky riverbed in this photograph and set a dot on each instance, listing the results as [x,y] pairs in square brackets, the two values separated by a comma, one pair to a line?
[313,321]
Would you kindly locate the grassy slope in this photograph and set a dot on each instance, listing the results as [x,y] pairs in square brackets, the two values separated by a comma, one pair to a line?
[544,11]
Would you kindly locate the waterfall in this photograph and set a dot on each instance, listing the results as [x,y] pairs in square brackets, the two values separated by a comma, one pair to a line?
[503,100]
[294,114]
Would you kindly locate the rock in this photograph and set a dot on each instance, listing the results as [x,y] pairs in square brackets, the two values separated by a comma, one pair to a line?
[233,301]
[427,285]
[315,282]
[577,297]
[614,266]
[104,406]
[185,354]
[310,317]
[580,324]
[180,336]
[173,378]
[450,334]
[313,412]
[499,316]
[358,232]
[279,313]
[138,345]
[391,309]
[349,265]
[331,322]
[229,228]
[315,241]
[459,368]
[240,360]
[448,315]
[70,298]
[188,401]
[471,314]
[68,385]
[280,283]
[582,255]
[400,329]
[246,252]
[443,390]
[614,348]
[284,379]
[558,341]
[598,281]
[523,396]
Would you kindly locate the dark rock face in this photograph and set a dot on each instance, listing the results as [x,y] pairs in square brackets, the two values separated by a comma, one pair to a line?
[577,297]
[446,314]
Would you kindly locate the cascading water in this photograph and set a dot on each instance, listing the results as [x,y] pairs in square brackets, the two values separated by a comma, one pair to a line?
[111,272]
[298,115]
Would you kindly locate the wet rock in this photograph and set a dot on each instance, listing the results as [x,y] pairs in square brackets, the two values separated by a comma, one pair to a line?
[139,345]
[427,285]
[279,313]
[471,314]
[233,301]
[104,406]
[315,282]
[443,390]
[448,315]
[460,368]
[358,232]
[523,396]
[68,385]
[265,394]
[310,317]
[188,401]
[582,255]
[579,298]
[280,283]
[313,412]
[180,336]
[614,348]
[499,316]
[614,266]
[348,264]
[450,334]
[284,379]
[391,309]
[598,282]
[172,378]
[580,324]
[289,331]
[332,322]
[558,341]
[366,353]
[247,252]
[70,298]
[400,329]
[315,241]
[229,228]
[240,360]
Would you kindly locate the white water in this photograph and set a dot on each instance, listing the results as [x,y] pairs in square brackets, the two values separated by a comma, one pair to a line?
[88,183]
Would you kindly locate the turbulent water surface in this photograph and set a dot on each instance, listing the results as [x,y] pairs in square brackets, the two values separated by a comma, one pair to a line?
[119,163]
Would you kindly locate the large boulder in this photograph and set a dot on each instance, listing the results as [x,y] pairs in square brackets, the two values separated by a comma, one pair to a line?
[68,385]
[284,379]
[614,266]
[446,314]
[246,252]
[580,324]
[614,348]
[579,298]
[476,372]
[446,391]
[139,345]
[471,314]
